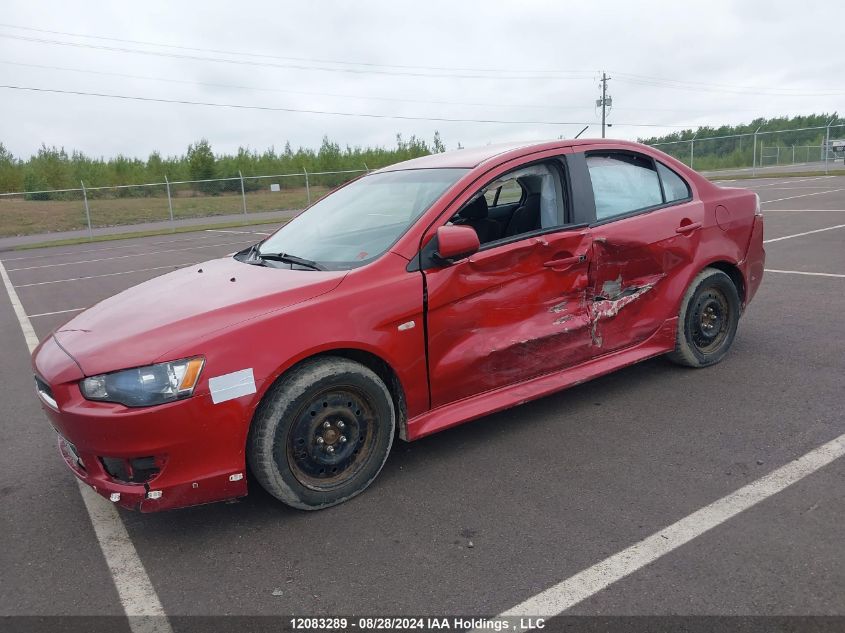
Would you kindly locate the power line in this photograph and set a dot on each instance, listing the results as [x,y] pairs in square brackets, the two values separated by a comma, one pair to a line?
[704,88]
[708,84]
[242,62]
[324,112]
[532,106]
[282,109]
[286,58]
[340,95]
[544,74]
[296,92]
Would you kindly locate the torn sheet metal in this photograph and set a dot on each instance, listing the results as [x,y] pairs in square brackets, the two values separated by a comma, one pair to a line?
[231,386]
[610,307]
[614,296]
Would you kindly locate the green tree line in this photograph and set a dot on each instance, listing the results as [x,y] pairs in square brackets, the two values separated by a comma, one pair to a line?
[714,153]
[54,168]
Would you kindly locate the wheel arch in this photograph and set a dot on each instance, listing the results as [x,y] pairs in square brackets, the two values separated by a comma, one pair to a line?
[368,359]
[732,271]
[383,370]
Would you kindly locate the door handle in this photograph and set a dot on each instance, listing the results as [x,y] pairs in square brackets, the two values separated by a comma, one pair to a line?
[688,228]
[566,261]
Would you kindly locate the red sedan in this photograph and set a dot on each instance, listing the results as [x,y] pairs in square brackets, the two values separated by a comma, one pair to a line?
[413,299]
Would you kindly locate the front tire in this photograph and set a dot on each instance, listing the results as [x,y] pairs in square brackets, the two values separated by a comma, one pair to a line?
[322,433]
[708,320]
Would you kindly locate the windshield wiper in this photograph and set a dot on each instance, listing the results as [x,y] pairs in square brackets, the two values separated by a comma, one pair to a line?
[291,259]
[250,255]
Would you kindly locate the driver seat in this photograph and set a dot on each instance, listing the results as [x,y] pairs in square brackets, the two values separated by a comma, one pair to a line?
[526,218]
[475,215]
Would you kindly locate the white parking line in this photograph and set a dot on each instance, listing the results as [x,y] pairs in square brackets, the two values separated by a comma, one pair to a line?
[788,237]
[804,211]
[801,272]
[26,326]
[107,248]
[134,588]
[243,232]
[123,272]
[799,187]
[787,181]
[803,195]
[43,314]
[108,259]
[590,581]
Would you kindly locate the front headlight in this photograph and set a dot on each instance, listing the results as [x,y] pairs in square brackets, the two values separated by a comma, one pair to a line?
[145,386]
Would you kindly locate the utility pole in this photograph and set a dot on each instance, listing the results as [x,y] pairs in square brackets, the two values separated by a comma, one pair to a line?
[692,149]
[605,102]
[827,142]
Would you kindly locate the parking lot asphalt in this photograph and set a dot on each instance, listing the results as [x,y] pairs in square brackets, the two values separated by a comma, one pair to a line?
[480,518]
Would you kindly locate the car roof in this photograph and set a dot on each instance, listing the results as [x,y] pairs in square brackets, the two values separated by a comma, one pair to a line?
[475,156]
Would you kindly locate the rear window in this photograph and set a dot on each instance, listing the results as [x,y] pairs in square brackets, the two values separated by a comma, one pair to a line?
[674,187]
[623,183]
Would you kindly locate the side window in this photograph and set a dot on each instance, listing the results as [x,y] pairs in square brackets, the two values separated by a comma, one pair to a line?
[526,200]
[623,183]
[674,187]
[508,192]
[491,195]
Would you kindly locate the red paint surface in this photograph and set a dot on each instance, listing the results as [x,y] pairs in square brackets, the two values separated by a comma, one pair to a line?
[505,325]
[455,241]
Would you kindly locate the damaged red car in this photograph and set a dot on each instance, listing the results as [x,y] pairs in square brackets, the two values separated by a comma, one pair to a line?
[410,300]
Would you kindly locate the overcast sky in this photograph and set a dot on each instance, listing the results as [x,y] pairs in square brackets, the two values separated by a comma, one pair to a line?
[525,62]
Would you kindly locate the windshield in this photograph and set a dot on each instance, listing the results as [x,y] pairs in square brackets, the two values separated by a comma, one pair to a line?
[359,222]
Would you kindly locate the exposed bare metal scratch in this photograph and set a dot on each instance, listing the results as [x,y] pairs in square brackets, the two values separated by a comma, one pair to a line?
[560,307]
[612,287]
[603,308]
[596,338]
[608,308]
[563,319]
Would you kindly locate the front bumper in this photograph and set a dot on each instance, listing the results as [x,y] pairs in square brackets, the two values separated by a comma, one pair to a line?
[198,446]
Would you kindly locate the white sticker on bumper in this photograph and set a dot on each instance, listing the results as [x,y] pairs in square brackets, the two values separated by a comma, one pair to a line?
[231,386]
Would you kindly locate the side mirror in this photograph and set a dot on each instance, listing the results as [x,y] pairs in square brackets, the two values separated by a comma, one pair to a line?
[456,242]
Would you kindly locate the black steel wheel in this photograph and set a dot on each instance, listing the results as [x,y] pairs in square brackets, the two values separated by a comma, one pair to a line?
[322,433]
[331,438]
[708,320]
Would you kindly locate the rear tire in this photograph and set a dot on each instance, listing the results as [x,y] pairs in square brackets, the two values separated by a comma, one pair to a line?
[708,320]
[322,433]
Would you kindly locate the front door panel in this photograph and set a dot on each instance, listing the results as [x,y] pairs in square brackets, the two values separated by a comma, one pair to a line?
[507,314]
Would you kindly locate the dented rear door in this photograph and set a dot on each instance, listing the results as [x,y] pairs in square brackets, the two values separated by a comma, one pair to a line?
[639,264]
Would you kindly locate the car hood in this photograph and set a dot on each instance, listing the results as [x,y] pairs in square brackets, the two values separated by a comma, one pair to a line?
[140,325]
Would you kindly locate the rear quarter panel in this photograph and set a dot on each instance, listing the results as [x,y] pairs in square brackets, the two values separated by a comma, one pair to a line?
[736,235]
[729,223]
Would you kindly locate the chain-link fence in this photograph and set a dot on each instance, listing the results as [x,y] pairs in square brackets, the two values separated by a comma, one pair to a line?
[48,211]
[87,208]
[761,149]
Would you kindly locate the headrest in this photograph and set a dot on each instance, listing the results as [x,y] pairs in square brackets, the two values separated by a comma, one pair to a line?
[475,210]
[531,200]
[532,184]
